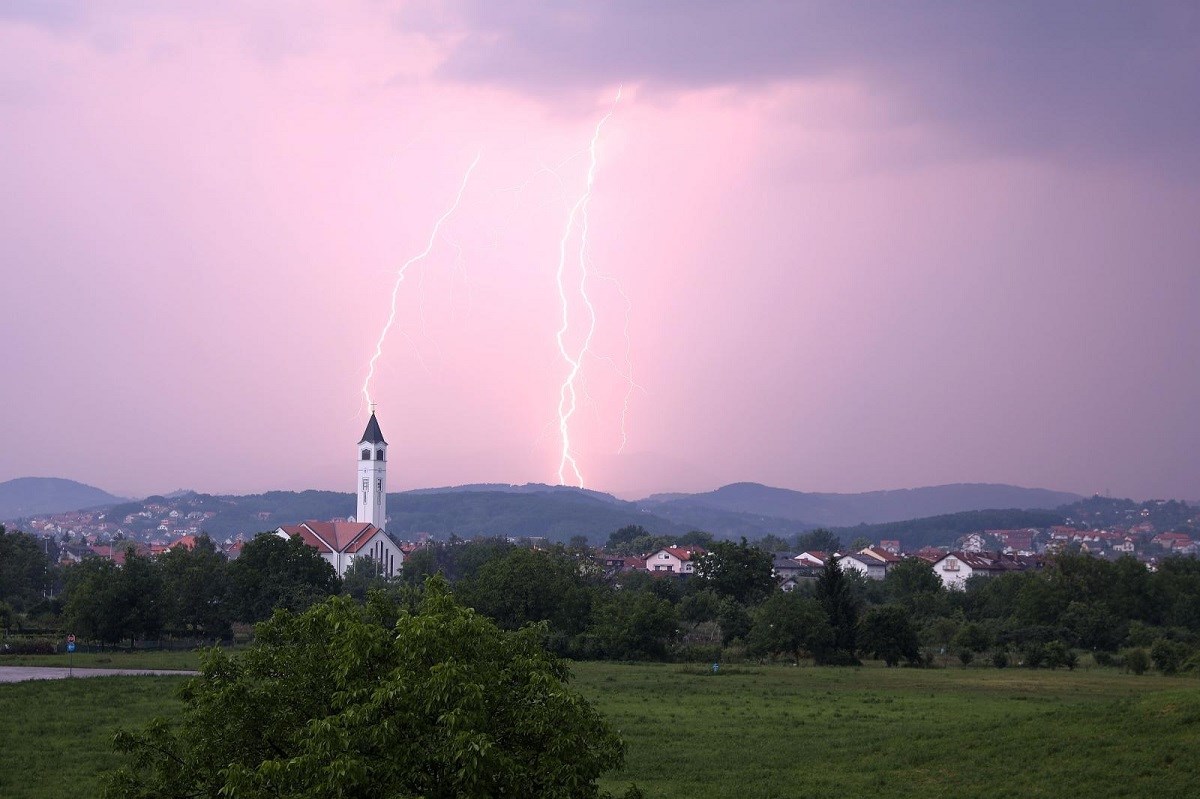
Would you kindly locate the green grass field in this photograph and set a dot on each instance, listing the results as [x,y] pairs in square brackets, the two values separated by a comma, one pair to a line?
[770,731]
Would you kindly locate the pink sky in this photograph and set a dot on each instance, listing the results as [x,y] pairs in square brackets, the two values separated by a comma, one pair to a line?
[863,250]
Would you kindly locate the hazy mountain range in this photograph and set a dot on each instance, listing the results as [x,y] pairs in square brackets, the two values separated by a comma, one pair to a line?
[555,512]
[33,496]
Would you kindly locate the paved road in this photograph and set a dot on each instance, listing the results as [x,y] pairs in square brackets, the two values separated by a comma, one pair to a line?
[22,673]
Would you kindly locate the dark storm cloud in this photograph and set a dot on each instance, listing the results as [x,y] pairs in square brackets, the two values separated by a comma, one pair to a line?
[1075,78]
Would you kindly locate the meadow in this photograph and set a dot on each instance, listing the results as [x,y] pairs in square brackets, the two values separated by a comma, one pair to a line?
[758,731]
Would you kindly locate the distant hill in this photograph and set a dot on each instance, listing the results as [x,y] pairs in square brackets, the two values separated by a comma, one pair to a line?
[556,512]
[30,496]
[553,512]
[843,510]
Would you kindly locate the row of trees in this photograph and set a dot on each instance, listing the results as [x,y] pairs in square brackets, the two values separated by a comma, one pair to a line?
[1076,604]
[193,593]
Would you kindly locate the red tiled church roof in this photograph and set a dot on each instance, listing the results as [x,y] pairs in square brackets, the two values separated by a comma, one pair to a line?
[333,536]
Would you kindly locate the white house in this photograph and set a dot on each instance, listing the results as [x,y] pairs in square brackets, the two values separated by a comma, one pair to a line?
[955,568]
[341,543]
[813,557]
[863,564]
[674,560]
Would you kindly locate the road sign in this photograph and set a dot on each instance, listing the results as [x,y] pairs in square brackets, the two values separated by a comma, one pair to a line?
[71,638]
[70,646]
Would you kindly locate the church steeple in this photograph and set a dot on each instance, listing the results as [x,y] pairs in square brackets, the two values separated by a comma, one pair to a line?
[373,435]
[372,475]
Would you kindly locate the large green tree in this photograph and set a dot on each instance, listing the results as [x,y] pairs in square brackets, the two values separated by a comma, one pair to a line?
[274,572]
[790,624]
[197,591]
[527,585]
[25,568]
[738,571]
[632,625]
[887,633]
[372,701]
[836,595]
[913,584]
[110,603]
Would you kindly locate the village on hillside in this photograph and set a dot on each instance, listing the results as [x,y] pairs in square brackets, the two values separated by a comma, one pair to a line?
[158,527]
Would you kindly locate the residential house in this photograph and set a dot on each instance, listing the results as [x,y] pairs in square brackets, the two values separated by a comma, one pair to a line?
[674,560]
[955,568]
[865,565]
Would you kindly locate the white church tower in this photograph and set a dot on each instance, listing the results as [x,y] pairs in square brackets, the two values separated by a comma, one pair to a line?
[372,476]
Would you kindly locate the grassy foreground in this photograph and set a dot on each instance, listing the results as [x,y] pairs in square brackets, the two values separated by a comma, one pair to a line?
[770,731]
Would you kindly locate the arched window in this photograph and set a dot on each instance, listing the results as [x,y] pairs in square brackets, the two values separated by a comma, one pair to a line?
[379,454]
[366,454]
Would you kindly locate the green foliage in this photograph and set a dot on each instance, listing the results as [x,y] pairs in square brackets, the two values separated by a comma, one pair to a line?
[834,593]
[1135,660]
[1093,626]
[737,571]
[333,703]
[789,624]
[972,637]
[887,633]
[456,560]
[108,603]
[25,570]
[632,625]
[734,620]
[1168,655]
[634,539]
[274,572]
[773,543]
[1000,659]
[912,583]
[819,540]
[196,590]
[1058,654]
[526,585]
[363,576]
[700,606]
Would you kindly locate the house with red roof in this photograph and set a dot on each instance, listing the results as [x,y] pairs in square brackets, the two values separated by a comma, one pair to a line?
[341,543]
[674,560]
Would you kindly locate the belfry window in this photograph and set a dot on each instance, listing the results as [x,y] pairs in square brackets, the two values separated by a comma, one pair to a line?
[379,455]
[366,454]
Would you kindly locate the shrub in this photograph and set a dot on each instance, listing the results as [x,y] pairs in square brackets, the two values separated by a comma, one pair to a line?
[1102,658]
[966,656]
[27,646]
[1000,659]
[1168,655]
[1059,654]
[1035,655]
[696,653]
[1135,660]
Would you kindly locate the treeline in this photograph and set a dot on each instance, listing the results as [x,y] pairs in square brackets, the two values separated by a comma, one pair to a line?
[189,593]
[1113,612]
[1109,611]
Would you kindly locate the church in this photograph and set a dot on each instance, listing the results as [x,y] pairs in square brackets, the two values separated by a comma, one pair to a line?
[341,543]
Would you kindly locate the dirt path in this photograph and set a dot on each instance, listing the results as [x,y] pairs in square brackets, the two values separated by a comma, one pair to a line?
[22,673]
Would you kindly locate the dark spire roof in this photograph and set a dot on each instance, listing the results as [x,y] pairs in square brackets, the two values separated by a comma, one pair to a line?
[372,435]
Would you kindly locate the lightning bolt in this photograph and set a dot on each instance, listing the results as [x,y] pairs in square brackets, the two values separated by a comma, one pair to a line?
[366,386]
[568,400]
